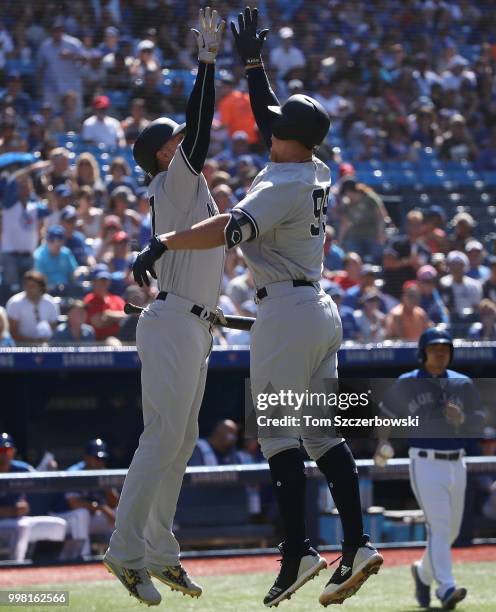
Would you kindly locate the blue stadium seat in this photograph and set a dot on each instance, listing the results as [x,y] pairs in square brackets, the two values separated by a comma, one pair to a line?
[25,68]
[119,99]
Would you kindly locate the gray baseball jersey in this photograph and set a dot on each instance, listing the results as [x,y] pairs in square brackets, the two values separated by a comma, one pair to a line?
[287,204]
[179,198]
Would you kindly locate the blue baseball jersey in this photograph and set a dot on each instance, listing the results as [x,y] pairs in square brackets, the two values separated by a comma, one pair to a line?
[426,398]
[11,499]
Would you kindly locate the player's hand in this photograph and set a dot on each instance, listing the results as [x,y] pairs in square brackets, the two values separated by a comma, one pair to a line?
[248,41]
[454,414]
[144,262]
[209,34]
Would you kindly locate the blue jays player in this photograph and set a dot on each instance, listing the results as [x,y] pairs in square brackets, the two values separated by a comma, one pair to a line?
[280,226]
[173,340]
[437,469]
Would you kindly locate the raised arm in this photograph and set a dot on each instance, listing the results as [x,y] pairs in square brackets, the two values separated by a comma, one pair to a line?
[200,108]
[249,44]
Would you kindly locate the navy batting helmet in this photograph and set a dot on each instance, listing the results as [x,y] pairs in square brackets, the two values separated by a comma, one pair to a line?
[151,139]
[300,118]
[433,335]
[97,448]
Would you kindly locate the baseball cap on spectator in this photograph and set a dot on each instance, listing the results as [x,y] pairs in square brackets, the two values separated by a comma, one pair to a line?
[286,32]
[435,211]
[457,257]
[457,61]
[6,441]
[102,275]
[68,213]
[101,102]
[489,433]
[63,191]
[295,85]
[55,232]
[120,236]
[145,45]
[58,23]
[97,448]
[112,221]
[124,193]
[410,284]
[240,135]
[111,31]
[473,245]
[426,273]
[346,169]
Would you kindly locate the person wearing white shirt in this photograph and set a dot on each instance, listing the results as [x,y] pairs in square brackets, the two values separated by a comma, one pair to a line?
[466,291]
[102,129]
[457,73]
[286,57]
[32,313]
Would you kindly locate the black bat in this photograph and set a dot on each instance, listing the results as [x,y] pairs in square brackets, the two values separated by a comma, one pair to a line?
[233,321]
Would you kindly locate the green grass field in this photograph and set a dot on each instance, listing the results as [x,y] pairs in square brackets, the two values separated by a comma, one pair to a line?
[390,590]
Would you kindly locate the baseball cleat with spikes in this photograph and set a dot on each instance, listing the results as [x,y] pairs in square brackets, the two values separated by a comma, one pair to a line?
[176,578]
[136,581]
[358,563]
[295,571]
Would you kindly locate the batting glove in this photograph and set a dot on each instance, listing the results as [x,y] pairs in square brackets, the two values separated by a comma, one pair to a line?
[248,41]
[209,34]
[146,259]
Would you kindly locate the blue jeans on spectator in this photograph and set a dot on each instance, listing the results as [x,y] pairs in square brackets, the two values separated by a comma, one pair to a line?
[368,248]
[14,266]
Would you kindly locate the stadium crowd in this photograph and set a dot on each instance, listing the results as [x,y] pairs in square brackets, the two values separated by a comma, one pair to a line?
[411,90]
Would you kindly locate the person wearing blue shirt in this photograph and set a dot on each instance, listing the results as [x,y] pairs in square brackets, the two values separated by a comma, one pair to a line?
[333,254]
[351,329]
[75,330]
[74,240]
[449,409]
[55,260]
[431,300]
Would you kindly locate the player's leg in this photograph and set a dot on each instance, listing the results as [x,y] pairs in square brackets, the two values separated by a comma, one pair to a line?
[170,345]
[162,547]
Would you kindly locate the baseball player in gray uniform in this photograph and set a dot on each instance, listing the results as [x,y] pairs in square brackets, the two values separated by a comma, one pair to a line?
[280,226]
[173,340]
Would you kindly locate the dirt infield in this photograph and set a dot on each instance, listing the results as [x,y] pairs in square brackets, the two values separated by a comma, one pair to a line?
[212,567]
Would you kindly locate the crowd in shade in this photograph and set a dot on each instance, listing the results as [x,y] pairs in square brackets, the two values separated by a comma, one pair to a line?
[411,90]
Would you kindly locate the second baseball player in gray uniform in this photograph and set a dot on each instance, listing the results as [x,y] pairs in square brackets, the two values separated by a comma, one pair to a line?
[280,227]
[173,340]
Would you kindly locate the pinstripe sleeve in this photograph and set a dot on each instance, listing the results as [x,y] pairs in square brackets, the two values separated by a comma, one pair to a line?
[199,116]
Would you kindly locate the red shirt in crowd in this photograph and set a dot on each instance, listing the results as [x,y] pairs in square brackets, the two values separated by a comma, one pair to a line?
[95,305]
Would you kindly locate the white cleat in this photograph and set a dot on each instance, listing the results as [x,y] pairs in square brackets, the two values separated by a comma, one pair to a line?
[176,578]
[136,581]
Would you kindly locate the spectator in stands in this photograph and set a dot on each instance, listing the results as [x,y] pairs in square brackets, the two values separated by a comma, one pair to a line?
[100,128]
[22,216]
[136,122]
[485,328]
[407,321]
[121,201]
[118,70]
[120,173]
[146,60]
[461,293]
[70,114]
[5,337]
[59,65]
[93,73]
[286,57]
[333,253]
[6,45]
[463,224]
[15,525]
[486,159]
[54,260]
[352,273]
[397,143]
[89,512]
[475,253]
[87,172]
[177,97]
[104,310]
[353,295]
[148,89]
[404,255]
[241,288]
[32,313]
[219,448]
[224,198]
[103,243]
[110,43]
[74,330]
[234,108]
[351,330]
[61,172]
[363,218]
[58,199]
[458,144]
[489,286]
[431,300]
[14,96]
[434,236]
[73,239]
[370,320]
[37,137]
[424,129]
[90,217]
